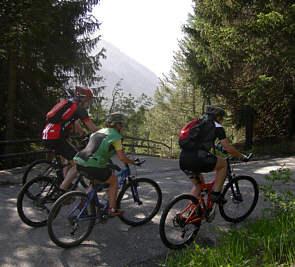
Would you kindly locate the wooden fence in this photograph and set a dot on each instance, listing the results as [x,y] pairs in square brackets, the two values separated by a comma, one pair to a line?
[31,149]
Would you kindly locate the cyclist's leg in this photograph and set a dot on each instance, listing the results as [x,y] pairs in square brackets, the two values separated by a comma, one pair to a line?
[107,176]
[195,191]
[113,190]
[66,168]
[220,176]
[70,176]
[67,151]
[191,165]
[103,175]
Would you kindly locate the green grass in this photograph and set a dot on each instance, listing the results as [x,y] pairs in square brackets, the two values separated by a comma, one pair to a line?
[265,242]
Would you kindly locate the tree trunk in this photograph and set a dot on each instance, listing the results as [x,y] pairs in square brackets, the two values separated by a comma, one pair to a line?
[249,123]
[11,98]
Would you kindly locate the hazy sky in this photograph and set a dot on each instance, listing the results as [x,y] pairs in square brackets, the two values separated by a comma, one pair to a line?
[145,30]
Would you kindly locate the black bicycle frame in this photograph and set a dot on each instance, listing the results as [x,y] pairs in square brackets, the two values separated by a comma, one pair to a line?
[235,191]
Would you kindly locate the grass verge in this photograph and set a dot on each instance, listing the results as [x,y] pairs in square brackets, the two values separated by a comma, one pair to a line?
[265,242]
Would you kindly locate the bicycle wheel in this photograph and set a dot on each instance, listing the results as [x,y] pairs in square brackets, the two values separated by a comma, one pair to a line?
[241,194]
[40,167]
[175,232]
[140,199]
[65,227]
[35,200]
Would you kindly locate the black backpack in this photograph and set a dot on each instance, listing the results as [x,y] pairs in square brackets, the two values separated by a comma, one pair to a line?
[193,134]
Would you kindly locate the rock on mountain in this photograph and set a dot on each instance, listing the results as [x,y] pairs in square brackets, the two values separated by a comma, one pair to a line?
[136,79]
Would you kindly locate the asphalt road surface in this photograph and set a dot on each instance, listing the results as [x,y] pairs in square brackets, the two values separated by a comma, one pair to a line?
[115,243]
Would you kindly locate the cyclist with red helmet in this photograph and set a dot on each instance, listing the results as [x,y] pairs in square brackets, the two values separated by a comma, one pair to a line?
[55,135]
[199,159]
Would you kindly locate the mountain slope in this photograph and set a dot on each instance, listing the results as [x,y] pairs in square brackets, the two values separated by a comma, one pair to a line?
[136,79]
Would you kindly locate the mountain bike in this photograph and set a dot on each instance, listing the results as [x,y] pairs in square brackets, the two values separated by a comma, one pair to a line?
[54,167]
[39,193]
[182,217]
[74,214]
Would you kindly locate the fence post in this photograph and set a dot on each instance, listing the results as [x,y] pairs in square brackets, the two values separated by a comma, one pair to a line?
[171,147]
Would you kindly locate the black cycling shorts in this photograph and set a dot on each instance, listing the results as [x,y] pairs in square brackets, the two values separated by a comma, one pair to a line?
[197,161]
[93,173]
[61,147]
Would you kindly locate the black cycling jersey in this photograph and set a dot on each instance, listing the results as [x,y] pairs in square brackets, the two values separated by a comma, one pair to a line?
[219,131]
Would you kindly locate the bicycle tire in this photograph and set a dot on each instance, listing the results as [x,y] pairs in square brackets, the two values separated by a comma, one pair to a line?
[40,167]
[236,204]
[35,199]
[141,211]
[170,235]
[61,218]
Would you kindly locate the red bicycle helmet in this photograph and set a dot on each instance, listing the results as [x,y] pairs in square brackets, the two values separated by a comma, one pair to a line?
[84,92]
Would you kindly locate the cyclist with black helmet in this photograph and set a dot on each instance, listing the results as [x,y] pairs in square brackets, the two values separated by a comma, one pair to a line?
[55,135]
[199,159]
[94,158]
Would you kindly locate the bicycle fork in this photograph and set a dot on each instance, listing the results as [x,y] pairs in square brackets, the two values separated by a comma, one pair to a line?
[134,191]
[236,193]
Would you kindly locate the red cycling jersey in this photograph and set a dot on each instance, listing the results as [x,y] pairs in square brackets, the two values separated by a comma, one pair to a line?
[57,130]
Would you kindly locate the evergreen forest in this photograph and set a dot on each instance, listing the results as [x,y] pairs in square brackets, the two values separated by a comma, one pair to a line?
[235,53]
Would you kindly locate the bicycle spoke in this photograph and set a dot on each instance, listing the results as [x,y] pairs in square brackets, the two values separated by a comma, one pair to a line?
[40,168]
[34,201]
[141,202]
[68,224]
[241,195]
[176,227]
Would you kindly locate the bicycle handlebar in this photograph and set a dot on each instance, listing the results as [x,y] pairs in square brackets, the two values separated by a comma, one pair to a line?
[246,158]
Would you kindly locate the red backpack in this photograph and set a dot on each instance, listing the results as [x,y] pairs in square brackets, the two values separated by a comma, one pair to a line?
[61,112]
[189,136]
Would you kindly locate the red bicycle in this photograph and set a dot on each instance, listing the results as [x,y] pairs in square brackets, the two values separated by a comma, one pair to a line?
[181,219]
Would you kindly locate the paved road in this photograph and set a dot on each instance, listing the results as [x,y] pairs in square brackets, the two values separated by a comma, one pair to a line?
[113,244]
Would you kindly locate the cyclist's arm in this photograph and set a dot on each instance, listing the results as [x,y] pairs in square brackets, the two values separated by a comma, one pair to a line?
[78,128]
[84,117]
[90,125]
[230,149]
[120,153]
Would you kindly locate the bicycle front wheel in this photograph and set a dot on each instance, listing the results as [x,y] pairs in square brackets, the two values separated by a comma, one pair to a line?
[177,225]
[241,194]
[69,223]
[40,167]
[35,200]
[140,200]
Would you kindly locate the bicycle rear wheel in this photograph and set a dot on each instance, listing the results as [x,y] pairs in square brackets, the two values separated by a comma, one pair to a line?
[241,194]
[40,167]
[175,230]
[140,200]
[35,200]
[68,224]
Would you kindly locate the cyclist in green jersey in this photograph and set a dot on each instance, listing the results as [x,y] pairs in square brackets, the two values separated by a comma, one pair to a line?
[94,158]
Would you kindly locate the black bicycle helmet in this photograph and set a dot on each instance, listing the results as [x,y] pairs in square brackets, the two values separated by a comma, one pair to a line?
[215,111]
[115,117]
